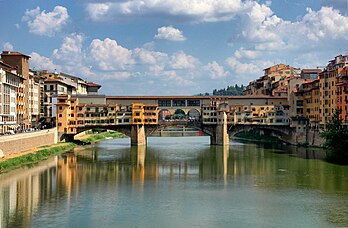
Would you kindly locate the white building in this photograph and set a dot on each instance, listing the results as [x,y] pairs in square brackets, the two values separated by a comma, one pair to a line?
[34,99]
[9,82]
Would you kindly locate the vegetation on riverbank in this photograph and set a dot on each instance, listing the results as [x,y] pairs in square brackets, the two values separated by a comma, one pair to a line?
[256,136]
[30,158]
[92,138]
[336,141]
[45,152]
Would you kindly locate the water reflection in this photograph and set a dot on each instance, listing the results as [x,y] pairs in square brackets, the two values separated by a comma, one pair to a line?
[57,185]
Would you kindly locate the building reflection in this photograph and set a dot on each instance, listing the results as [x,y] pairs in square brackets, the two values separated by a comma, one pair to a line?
[24,192]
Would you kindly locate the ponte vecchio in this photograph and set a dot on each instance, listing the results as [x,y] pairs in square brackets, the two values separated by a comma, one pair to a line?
[137,116]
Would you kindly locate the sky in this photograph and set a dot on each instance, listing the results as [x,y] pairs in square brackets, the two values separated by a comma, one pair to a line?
[173,47]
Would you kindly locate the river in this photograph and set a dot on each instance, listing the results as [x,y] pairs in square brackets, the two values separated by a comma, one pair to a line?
[177,182]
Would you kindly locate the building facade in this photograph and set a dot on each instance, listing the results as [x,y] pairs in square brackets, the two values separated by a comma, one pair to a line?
[9,83]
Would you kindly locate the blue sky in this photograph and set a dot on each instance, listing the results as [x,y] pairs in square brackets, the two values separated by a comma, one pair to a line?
[171,47]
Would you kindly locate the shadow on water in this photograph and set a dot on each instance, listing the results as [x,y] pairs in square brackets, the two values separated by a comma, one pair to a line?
[283,148]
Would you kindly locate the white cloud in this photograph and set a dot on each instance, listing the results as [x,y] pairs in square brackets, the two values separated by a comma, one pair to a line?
[43,63]
[7,46]
[179,80]
[149,57]
[116,75]
[169,33]
[242,68]
[108,55]
[193,10]
[97,10]
[268,32]
[70,52]
[216,70]
[180,60]
[327,22]
[267,39]
[46,24]
[249,54]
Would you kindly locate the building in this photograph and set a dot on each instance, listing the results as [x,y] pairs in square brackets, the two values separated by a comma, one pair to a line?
[83,111]
[20,63]
[35,85]
[272,82]
[342,94]
[310,73]
[9,83]
[328,90]
[56,84]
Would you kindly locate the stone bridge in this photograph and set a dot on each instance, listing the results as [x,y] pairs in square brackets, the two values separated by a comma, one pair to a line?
[283,132]
[219,133]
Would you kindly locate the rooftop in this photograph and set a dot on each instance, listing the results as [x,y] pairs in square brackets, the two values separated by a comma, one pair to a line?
[13,53]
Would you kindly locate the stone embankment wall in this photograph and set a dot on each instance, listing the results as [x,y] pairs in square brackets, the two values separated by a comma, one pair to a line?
[306,136]
[12,144]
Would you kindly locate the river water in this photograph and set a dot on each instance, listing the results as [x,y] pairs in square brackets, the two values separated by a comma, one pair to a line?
[177,182]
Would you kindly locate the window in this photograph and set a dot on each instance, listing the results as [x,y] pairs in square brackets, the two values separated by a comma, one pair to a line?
[164,103]
[60,115]
[179,103]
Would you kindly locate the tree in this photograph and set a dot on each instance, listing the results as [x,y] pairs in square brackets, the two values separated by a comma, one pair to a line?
[336,140]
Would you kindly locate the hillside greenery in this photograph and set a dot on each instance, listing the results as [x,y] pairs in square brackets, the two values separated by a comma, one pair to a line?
[235,90]
[229,91]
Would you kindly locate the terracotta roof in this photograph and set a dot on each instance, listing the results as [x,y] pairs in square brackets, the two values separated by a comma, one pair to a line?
[311,70]
[92,84]
[191,97]
[56,80]
[7,53]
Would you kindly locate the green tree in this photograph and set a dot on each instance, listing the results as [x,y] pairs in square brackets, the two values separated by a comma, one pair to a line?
[336,140]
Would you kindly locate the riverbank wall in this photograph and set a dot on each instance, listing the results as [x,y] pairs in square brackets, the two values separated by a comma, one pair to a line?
[12,144]
[305,137]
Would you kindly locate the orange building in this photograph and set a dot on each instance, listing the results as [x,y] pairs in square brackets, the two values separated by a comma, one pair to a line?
[328,89]
[90,111]
[342,94]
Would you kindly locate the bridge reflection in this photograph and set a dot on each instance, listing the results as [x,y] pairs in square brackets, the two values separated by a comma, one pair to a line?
[24,193]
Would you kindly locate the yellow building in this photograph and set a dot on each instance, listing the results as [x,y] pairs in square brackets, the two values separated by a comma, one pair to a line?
[74,112]
[144,114]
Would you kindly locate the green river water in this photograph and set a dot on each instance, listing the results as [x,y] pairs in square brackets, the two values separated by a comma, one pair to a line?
[177,182]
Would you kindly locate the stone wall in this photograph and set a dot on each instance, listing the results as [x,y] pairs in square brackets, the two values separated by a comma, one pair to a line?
[12,144]
[306,136]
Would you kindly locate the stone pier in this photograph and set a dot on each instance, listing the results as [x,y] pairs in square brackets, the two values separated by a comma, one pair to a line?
[220,135]
[138,136]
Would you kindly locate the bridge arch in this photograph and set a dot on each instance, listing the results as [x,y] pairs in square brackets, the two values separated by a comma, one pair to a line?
[164,114]
[284,133]
[179,114]
[194,114]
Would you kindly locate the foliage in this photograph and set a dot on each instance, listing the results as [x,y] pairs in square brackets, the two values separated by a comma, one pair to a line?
[229,91]
[101,136]
[336,140]
[202,94]
[34,157]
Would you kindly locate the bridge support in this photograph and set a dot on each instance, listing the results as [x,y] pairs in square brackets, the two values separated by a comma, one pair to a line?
[220,135]
[138,136]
